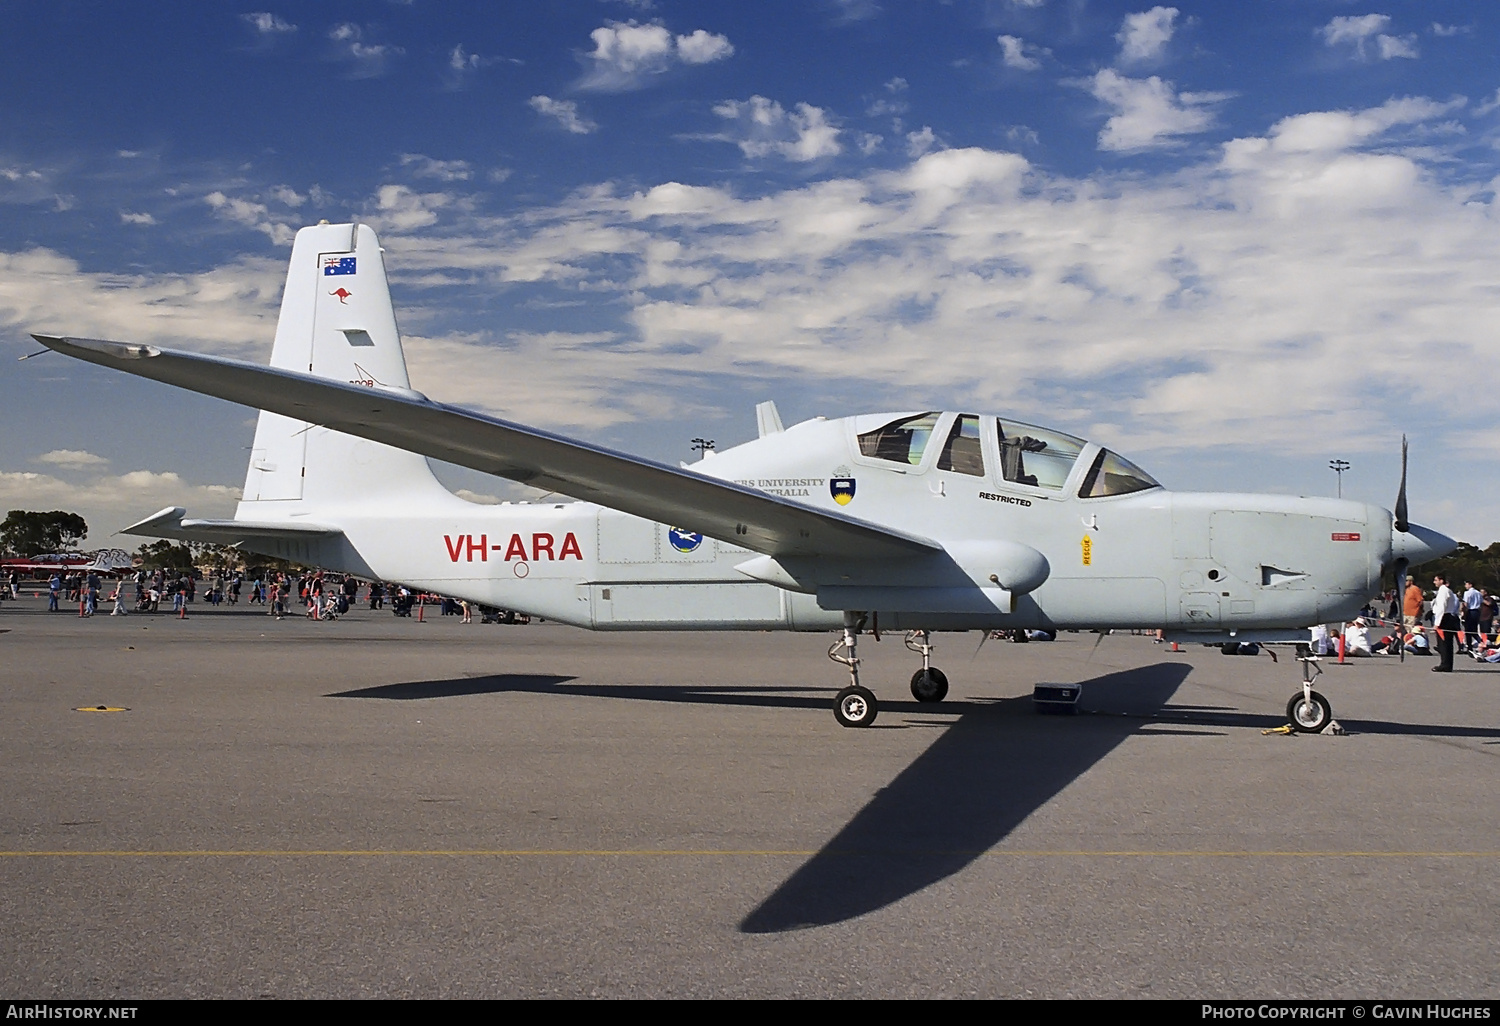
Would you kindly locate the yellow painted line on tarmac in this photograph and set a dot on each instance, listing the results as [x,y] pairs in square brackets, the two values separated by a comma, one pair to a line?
[730,852]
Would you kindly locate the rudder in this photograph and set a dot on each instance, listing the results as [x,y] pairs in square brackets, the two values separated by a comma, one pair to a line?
[337,322]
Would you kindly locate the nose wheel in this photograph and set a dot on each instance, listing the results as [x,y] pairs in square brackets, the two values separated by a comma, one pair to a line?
[1309,713]
[1308,710]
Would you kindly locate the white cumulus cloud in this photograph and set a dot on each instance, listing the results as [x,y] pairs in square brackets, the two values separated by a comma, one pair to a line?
[1358,31]
[919,142]
[626,54]
[364,60]
[1149,112]
[268,24]
[767,128]
[1144,36]
[421,166]
[1013,53]
[72,458]
[252,214]
[401,209]
[701,47]
[564,112]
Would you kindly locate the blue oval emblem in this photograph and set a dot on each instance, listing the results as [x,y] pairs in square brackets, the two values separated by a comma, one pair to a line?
[683,541]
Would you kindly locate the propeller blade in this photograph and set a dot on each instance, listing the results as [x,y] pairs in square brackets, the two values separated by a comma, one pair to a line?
[1402,524]
[983,637]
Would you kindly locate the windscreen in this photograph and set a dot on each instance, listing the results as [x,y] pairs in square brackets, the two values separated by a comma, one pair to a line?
[1114,475]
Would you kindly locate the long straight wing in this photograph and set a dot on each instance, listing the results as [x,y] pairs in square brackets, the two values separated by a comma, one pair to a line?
[405,419]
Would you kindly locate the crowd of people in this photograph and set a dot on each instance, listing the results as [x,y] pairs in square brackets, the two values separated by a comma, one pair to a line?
[1412,624]
[316,595]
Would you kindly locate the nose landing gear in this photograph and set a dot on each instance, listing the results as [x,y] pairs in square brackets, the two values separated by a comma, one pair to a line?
[1308,710]
[929,684]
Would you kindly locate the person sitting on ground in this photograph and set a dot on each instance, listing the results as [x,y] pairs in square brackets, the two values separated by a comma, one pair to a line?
[1357,639]
[1319,639]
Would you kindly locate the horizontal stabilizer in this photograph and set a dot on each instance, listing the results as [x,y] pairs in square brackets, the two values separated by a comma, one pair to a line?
[403,419]
[170,523]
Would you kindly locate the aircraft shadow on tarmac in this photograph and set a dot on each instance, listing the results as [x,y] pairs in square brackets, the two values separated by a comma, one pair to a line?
[995,764]
[488,685]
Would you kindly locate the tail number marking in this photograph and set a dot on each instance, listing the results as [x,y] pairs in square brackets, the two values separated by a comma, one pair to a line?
[467,546]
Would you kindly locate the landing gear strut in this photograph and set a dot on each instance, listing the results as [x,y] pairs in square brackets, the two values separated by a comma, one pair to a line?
[854,706]
[928,684]
[1309,711]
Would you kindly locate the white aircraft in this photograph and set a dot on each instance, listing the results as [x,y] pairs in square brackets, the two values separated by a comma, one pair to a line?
[918,521]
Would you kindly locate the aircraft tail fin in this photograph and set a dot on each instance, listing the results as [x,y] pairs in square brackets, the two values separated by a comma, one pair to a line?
[767,418]
[337,322]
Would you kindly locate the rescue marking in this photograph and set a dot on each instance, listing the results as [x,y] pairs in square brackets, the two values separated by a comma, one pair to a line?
[542,543]
[1346,536]
[1088,550]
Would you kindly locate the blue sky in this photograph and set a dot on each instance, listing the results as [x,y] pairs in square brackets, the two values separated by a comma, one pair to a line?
[1234,241]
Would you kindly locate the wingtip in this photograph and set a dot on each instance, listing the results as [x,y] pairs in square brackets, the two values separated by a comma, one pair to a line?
[97,346]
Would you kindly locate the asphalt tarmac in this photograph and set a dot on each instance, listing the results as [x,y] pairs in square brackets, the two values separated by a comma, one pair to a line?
[383,808]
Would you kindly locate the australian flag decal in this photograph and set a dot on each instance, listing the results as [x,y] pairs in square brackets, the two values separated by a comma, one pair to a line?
[338,265]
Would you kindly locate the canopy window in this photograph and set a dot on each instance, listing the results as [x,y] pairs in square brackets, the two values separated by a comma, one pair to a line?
[901,441]
[963,454]
[1036,456]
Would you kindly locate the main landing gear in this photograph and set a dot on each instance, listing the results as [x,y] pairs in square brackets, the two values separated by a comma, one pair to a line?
[928,684]
[1308,710]
[854,706]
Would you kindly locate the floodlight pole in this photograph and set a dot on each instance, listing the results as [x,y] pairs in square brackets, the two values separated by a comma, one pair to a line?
[1338,467]
[703,445]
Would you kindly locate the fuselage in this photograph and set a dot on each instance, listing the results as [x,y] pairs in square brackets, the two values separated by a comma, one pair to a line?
[1065,535]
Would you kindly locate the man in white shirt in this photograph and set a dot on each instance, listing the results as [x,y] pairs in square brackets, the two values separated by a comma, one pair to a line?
[1445,619]
[1470,612]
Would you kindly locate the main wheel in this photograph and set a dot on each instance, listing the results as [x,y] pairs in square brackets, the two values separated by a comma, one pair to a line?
[1309,717]
[855,707]
[929,685]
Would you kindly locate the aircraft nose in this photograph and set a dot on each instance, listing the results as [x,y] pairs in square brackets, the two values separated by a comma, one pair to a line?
[1420,544]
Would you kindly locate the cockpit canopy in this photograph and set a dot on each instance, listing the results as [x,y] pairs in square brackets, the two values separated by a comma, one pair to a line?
[1021,454]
